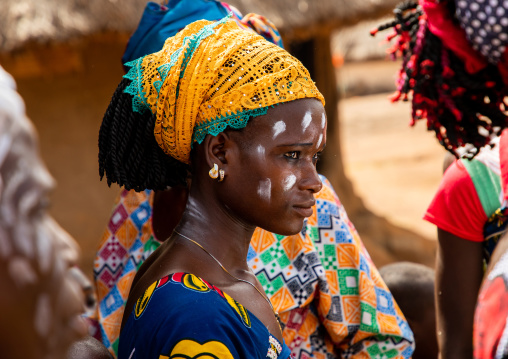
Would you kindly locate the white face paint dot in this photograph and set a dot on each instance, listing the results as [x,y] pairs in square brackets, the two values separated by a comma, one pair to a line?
[288,182]
[265,189]
[320,139]
[22,272]
[307,119]
[278,128]
[323,121]
[261,150]
[43,315]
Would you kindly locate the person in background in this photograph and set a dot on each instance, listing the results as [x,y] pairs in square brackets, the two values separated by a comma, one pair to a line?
[412,286]
[41,299]
[490,334]
[454,65]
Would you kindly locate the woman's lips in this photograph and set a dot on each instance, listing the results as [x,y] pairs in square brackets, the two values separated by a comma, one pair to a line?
[304,210]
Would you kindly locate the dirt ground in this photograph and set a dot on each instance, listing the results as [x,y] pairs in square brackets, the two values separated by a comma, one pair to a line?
[394,168]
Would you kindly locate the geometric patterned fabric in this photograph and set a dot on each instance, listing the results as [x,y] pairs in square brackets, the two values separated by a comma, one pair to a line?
[330,297]
[192,303]
[125,245]
[329,294]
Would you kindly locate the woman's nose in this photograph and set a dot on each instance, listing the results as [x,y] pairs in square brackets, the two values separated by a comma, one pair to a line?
[311,180]
[65,245]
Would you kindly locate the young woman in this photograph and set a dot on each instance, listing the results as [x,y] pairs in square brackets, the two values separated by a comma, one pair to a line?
[244,119]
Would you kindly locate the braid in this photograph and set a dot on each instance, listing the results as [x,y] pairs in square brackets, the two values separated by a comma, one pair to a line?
[460,107]
[128,152]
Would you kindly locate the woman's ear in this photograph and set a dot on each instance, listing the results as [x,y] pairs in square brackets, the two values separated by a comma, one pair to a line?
[218,148]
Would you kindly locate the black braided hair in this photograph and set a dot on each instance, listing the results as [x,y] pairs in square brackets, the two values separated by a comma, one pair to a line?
[128,152]
[463,109]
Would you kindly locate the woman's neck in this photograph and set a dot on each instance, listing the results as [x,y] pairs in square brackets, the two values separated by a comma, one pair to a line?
[220,234]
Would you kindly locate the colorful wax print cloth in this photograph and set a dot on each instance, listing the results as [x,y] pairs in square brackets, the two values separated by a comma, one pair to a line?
[490,334]
[126,243]
[329,294]
[183,316]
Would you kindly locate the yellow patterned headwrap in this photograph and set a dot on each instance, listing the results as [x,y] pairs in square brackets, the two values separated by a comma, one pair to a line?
[210,76]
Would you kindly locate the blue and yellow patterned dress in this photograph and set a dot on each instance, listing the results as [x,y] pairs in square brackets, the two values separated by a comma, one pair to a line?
[183,316]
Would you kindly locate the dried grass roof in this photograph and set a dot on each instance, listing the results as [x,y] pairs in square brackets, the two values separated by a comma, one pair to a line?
[25,21]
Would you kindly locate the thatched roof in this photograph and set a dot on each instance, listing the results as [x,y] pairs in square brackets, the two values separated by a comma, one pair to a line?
[303,18]
[354,43]
[25,21]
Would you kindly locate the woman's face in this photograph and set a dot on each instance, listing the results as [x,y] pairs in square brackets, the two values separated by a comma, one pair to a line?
[272,178]
[43,298]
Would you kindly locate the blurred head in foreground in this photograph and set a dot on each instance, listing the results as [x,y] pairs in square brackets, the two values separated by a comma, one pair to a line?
[40,298]
[412,286]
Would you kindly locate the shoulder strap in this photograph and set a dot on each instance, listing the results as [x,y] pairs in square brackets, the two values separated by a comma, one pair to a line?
[486,183]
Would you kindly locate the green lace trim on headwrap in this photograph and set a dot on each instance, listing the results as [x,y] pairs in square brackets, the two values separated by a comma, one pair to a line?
[219,124]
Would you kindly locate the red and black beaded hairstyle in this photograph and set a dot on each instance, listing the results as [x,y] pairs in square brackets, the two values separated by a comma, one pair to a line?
[451,85]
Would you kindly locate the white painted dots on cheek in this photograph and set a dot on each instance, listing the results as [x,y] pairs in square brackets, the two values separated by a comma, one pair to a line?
[43,315]
[288,182]
[265,190]
[320,139]
[22,272]
[278,128]
[260,150]
[307,119]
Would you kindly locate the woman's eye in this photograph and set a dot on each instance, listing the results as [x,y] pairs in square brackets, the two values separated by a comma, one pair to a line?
[315,158]
[293,155]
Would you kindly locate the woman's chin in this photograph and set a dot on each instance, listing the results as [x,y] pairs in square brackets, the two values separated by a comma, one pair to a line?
[289,230]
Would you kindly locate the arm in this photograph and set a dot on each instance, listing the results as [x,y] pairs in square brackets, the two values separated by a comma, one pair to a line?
[459,274]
